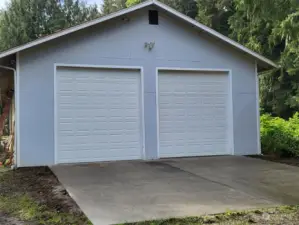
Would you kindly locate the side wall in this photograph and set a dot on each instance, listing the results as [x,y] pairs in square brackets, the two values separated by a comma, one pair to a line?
[121,42]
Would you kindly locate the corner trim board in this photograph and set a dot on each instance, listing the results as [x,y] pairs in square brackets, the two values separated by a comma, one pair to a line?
[259,148]
[17,97]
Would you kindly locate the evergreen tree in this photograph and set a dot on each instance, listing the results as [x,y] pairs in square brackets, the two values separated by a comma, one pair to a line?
[215,13]
[130,3]
[76,12]
[27,20]
[110,6]
[271,27]
[187,7]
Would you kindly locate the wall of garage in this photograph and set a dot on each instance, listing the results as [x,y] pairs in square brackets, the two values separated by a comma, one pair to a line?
[121,42]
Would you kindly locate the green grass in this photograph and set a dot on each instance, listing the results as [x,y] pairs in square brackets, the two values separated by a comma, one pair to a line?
[276,216]
[22,206]
[25,208]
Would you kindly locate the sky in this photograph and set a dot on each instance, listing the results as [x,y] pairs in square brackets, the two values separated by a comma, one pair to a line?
[99,2]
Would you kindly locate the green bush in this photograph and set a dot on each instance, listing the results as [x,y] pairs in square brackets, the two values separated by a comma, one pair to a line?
[280,137]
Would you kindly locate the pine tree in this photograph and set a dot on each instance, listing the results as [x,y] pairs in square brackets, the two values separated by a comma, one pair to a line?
[110,6]
[187,7]
[130,3]
[27,20]
[215,14]
[271,27]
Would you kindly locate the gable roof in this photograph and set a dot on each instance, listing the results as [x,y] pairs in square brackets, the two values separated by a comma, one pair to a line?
[132,9]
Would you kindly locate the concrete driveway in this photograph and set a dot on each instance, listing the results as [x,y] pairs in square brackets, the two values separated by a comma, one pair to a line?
[118,192]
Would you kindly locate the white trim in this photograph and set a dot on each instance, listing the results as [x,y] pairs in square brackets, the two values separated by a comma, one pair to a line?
[231,113]
[17,110]
[132,9]
[193,69]
[142,113]
[230,100]
[259,148]
[157,112]
[55,114]
[98,66]
[140,68]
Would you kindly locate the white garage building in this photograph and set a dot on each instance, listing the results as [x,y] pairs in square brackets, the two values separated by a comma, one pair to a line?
[143,83]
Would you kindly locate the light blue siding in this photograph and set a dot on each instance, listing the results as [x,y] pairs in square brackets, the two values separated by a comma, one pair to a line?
[116,42]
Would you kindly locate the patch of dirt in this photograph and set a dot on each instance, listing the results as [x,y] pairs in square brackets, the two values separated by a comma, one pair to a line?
[286,215]
[7,220]
[274,217]
[288,161]
[42,186]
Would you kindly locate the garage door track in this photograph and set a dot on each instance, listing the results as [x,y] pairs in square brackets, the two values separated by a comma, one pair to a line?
[118,192]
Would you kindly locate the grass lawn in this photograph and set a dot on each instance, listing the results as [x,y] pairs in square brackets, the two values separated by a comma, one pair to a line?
[34,196]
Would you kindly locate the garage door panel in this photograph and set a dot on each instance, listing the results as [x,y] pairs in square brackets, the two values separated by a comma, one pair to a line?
[98,115]
[193,113]
[92,156]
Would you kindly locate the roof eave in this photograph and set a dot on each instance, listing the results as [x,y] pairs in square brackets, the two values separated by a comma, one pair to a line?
[209,30]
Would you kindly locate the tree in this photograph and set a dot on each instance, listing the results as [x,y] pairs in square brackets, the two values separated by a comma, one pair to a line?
[272,29]
[187,7]
[130,3]
[27,20]
[76,12]
[215,13]
[110,6]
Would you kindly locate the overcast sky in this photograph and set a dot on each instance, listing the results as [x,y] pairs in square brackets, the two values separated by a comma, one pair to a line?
[99,2]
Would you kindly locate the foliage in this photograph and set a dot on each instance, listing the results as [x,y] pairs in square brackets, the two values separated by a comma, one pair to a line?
[27,20]
[271,27]
[279,136]
[188,7]
[132,2]
[110,6]
[215,13]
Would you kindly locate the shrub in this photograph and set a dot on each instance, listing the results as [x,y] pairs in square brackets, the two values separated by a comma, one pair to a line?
[280,137]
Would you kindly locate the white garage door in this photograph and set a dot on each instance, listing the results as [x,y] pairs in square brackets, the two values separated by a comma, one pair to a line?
[193,113]
[98,115]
